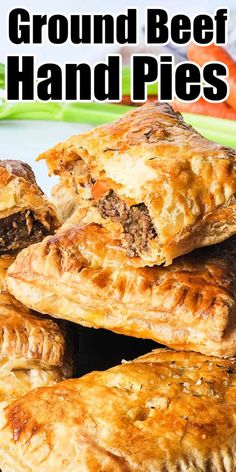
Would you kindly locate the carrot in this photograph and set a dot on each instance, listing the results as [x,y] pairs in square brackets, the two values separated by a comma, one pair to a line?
[126,100]
[203,54]
[99,189]
[202,107]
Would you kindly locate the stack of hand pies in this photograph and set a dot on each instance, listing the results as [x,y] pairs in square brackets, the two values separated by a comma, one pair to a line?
[34,350]
[146,249]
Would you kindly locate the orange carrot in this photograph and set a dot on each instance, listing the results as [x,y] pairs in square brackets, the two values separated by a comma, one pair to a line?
[99,189]
[202,107]
[203,54]
[126,100]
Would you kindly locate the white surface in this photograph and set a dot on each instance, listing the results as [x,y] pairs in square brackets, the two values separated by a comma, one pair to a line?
[25,140]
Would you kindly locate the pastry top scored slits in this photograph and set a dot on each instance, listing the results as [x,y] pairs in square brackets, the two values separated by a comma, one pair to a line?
[33,349]
[153,179]
[26,339]
[81,275]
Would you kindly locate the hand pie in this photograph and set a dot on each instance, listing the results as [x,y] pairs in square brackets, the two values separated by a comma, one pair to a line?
[81,274]
[165,412]
[25,214]
[154,180]
[32,348]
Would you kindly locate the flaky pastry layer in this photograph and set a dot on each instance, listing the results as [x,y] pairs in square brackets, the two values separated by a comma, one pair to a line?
[81,274]
[27,340]
[182,185]
[26,216]
[167,411]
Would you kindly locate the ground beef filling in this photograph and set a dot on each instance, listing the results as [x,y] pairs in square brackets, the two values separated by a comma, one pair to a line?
[20,230]
[136,221]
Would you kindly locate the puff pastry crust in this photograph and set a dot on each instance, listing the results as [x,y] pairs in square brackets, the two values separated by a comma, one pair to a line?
[66,201]
[81,274]
[167,411]
[27,340]
[33,349]
[15,383]
[26,216]
[171,190]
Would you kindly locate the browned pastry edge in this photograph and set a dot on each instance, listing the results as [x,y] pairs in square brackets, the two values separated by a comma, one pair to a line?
[26,216]
[80,275]
[20,169]
[27,339]
[173,190]
[167,411]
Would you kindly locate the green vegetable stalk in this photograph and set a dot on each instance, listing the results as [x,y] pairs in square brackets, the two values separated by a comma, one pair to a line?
[216,129]
[91,113]
[2,76]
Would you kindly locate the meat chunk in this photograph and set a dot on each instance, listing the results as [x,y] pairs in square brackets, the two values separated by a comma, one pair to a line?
[139,229]
[19,230]
[111,206]
[136,221]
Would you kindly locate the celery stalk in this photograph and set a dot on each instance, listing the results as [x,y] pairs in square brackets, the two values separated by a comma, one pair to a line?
[215,129]
[92,113]
[218,137]
[209,122]
[152,89]
[2,76]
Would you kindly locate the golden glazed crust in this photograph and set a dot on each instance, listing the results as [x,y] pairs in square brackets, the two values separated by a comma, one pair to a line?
[32,348]
[81,275]
[26,340]
[15,383]
[152,156]
[25,214]
[165,412]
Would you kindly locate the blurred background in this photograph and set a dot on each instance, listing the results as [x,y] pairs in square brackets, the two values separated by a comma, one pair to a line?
[27,129]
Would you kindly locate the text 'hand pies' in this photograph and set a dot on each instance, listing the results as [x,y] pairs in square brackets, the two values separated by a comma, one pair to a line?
[153,180]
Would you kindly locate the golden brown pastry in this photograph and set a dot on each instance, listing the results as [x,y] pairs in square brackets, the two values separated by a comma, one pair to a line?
[25,214]
[24,337]
[81,274]
[33,349]
[66,201]
[165,412]
[154,180]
